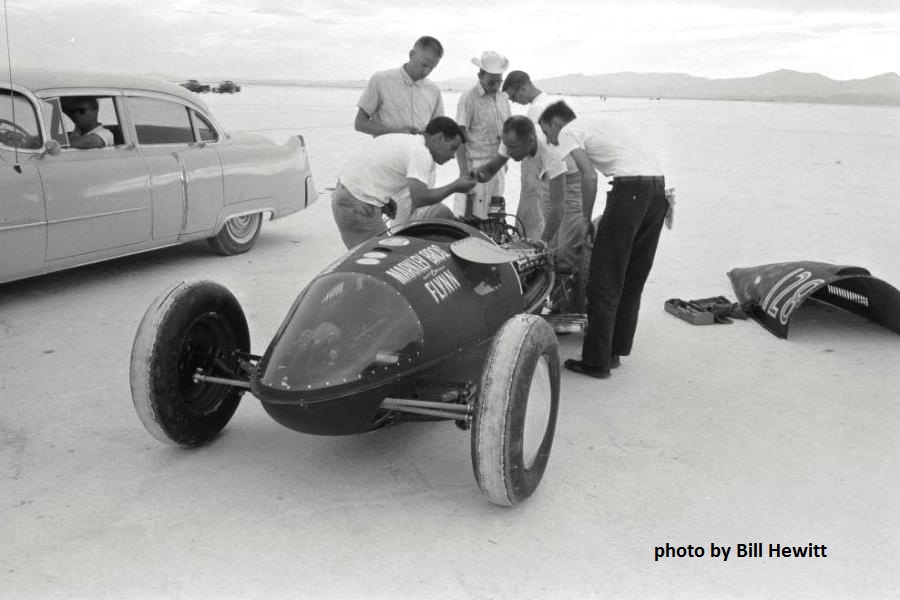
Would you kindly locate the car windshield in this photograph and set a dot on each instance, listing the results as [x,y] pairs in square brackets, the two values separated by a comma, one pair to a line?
[18,122]
[347,327]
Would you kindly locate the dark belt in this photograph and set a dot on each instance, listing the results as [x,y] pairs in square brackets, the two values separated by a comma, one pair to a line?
[637,178]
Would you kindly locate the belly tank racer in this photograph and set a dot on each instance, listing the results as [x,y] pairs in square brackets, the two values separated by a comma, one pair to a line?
[438,320]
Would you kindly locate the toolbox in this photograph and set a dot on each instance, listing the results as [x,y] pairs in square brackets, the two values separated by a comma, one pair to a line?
[690,312]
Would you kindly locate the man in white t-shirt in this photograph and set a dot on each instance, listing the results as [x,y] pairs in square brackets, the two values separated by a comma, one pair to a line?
[88,133]
[386,166]
[626,237]
[521,142]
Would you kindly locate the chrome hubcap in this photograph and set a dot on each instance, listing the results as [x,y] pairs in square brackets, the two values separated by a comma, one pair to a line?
[242,227]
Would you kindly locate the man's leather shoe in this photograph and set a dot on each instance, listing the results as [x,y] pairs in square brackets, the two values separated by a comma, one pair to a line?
[586,369]
[616,361]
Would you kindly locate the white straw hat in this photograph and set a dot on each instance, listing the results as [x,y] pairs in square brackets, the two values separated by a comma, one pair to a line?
[491,62]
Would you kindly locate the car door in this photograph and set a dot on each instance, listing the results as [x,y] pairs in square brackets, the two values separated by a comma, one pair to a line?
[23,222]
[97,199]
[185,174]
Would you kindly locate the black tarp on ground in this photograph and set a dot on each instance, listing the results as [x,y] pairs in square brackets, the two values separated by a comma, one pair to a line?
[772,293]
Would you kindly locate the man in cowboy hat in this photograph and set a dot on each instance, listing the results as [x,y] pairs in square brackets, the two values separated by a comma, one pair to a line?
[481,113]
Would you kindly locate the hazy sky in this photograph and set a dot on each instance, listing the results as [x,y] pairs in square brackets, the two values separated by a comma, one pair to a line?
[348,39]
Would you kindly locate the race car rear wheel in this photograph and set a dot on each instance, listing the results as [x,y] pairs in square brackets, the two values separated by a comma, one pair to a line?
[238,235]
[515,415]
[190,326]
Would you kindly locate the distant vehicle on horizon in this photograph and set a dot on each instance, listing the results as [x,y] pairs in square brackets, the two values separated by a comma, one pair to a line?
[227,87]
[195,86]
[172,175]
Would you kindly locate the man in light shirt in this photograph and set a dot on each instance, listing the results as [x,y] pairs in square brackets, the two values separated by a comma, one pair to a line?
[519,88]
[403,100]
[390,164]
[520,141]
[534,205]
[626,237]
[481,112]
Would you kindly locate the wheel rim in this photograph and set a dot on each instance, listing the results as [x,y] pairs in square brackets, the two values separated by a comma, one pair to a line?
[209,345]
[537,412]
[242,228]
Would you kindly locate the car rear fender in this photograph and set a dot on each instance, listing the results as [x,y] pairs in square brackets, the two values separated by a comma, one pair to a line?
[267,175]
[296,143]
[244,208]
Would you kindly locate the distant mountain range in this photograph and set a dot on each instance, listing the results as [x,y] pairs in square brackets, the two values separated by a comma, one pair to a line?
[777,86]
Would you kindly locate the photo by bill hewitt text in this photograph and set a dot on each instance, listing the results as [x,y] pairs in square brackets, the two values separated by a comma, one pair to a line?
[749,550]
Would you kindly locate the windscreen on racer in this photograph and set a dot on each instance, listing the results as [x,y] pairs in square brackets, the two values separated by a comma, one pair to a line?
[347,327]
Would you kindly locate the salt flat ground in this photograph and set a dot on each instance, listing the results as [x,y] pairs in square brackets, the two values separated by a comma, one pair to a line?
[718,435]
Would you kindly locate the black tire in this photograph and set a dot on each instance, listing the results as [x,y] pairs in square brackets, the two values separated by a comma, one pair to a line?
[515,415]
[190,325]
[237,235]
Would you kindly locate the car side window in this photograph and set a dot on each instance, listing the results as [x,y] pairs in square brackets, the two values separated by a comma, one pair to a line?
[160,121]
[205,131]
[58,112]
[18,122]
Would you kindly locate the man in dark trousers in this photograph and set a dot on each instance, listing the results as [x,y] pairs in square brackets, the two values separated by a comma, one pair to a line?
[628,233]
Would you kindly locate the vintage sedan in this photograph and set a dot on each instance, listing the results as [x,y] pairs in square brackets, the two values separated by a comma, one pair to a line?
[173,174]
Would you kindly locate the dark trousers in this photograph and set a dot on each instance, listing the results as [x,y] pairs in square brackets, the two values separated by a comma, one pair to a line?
[624,247]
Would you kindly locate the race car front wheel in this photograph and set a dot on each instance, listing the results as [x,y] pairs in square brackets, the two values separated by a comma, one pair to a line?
[237,235]
[189,328]
[515,416]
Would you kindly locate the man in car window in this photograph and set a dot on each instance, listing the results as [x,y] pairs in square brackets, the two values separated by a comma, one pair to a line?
[88,133]
[388,165]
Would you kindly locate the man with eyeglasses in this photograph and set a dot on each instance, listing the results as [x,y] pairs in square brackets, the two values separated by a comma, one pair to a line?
[534,203]
[481,113]
[88,133]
